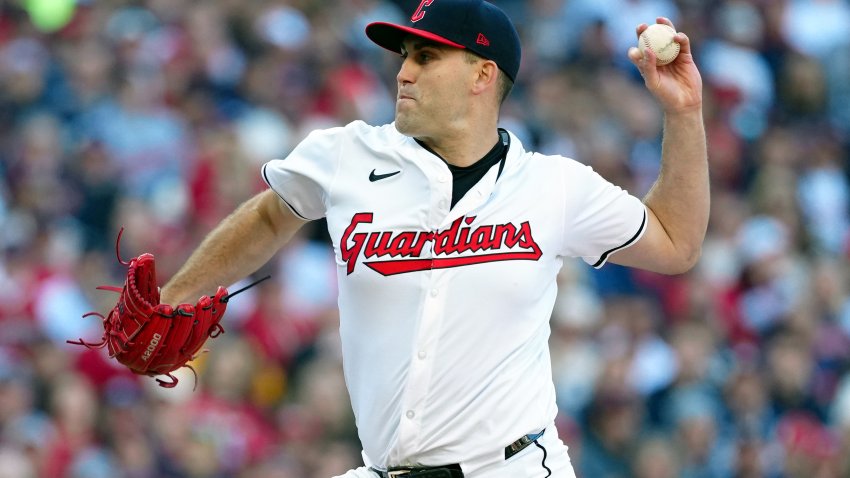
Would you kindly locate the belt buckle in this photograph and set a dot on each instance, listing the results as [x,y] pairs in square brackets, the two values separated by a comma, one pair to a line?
[395,473]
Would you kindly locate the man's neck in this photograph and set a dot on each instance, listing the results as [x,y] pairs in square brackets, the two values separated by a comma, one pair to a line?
[463,149]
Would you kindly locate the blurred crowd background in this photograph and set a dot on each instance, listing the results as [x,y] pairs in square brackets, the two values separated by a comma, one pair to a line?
[156,115]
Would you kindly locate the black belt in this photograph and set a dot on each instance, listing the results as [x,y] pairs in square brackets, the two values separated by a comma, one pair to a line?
[454,470]
[520,444]
[446,471]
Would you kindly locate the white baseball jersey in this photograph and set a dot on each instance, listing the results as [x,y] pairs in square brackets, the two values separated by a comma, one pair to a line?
[444,313]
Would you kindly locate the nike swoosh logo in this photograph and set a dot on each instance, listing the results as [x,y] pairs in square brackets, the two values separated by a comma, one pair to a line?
[377,177]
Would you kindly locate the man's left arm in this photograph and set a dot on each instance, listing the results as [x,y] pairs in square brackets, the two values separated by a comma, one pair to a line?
[678,203]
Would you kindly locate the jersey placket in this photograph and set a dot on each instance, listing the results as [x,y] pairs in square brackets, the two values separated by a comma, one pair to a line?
[473,198]
[433,312]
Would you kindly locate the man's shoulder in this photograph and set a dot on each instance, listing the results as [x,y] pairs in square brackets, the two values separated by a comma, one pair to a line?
[361,132]
[384,132]
[551,167]
[537,159]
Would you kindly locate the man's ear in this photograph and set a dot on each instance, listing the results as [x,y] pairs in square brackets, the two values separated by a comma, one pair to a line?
[486,76]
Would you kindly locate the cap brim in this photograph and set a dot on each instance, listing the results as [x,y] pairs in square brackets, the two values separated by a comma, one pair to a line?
[390,35]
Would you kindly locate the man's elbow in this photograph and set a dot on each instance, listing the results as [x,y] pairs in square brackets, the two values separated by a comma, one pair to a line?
[686,260]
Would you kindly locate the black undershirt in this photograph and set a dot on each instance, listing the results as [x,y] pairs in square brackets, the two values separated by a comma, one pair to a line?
[464,177]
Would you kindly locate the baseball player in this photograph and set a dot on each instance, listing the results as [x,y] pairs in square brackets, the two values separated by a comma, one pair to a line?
[448,237]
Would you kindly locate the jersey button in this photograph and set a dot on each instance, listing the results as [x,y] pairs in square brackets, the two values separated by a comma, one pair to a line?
[410,414]
[422,355]
[443,204]
[444,178]
[435,292]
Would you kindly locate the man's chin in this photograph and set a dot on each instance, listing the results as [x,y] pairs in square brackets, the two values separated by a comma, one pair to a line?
[404,127]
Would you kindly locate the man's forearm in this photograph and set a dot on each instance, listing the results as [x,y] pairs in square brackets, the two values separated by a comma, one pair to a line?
[238,246]
[680,196]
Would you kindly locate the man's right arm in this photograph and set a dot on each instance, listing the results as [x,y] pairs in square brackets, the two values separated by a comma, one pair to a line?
[238,246]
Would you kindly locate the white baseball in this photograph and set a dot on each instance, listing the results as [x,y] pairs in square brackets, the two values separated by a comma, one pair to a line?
[659,38]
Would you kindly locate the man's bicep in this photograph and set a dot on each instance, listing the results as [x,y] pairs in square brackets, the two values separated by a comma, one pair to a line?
[653,251]
[278,215]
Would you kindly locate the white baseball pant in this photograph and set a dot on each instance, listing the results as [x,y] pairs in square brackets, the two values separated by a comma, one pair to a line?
[547,458]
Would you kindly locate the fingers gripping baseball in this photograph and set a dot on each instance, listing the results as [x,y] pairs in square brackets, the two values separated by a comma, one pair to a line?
[677,85]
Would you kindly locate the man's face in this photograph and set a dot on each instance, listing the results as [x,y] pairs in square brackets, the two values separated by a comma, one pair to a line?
[432,87]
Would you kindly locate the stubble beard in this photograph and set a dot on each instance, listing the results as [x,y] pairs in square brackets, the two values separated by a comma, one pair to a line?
[405,123]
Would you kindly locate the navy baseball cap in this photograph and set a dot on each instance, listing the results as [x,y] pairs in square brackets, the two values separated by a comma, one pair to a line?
[474,25]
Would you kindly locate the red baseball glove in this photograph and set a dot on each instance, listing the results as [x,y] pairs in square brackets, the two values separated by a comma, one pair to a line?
[152,338]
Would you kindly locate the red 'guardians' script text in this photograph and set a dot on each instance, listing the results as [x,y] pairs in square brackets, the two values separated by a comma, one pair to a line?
[491,243]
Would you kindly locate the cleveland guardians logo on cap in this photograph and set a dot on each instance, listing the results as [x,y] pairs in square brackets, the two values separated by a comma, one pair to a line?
[475,25]
[419,14]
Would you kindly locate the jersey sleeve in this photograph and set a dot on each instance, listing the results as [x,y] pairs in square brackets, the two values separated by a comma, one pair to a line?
[601,218]
[304,178]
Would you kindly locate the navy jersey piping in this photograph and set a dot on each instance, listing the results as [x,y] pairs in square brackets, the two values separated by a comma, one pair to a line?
[607,253]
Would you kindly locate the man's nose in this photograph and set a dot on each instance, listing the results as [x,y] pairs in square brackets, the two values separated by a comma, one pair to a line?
[406,73]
